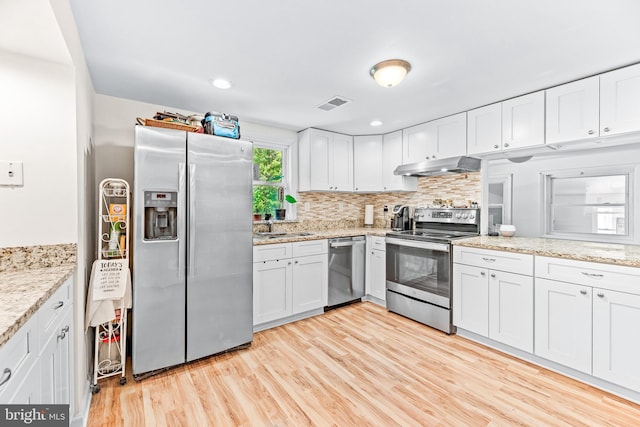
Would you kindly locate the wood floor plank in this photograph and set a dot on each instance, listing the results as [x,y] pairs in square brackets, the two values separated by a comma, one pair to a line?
[358,366]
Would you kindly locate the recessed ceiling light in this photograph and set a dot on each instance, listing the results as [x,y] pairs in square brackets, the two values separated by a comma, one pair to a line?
[376,123]
[221,83]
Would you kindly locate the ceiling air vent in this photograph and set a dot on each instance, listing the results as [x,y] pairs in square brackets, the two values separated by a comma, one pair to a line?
[335,102]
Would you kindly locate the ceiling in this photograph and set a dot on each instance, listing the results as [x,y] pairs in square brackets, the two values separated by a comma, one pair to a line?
[286,57]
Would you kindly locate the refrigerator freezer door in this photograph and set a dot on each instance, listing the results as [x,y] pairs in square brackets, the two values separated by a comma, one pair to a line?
[158,320]
[220,249]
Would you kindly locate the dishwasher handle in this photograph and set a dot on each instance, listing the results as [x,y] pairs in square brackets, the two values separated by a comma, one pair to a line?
[342,244]
[345,243]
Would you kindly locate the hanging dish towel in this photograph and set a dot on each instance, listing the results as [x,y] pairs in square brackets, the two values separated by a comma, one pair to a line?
[109,289]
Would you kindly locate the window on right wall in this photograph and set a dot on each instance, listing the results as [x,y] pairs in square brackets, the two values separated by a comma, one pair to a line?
[589,204]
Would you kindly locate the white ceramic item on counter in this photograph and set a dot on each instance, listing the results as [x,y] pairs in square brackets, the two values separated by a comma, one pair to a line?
[507,230]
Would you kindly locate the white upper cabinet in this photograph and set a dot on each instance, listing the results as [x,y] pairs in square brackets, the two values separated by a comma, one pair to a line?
[451,136]
[325,161]
[439,139]
[418,143]
[341,162]
[573,111]
[620,101]
[484,129]
[367,159]
[523,121]
[391,159]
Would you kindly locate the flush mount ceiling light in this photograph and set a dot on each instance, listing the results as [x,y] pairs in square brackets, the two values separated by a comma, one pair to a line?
[221,83]
[390,72]
[376,123]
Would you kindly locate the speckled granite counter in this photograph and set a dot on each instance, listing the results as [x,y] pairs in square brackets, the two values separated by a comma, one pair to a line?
[323,234]
[28,276]
[608,253]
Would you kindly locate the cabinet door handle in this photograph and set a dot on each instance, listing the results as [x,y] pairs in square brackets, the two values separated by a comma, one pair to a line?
[488,259]
[482,273]
[58,305]
[493,275]
[63,332]
[289,263]
[583,292]
[600,295]
[496,146]
[606,129]
[6,372]
[590,132]
[296,261]
[592,274]
[506,144]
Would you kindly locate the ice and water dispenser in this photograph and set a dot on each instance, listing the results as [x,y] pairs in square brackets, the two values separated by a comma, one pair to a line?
[160,215]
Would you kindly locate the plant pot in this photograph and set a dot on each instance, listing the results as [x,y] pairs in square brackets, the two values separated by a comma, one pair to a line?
[281,214]
[257,217]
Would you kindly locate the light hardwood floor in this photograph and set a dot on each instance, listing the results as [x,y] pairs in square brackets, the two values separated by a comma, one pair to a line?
[358,366]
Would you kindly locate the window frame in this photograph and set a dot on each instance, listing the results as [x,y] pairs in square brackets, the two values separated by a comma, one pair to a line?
[287,169]
[547,213]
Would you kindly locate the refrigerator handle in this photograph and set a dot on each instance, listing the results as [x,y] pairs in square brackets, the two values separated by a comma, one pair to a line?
[192,220]
[182,173]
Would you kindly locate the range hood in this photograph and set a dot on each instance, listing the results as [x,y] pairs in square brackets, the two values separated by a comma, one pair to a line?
[448,166]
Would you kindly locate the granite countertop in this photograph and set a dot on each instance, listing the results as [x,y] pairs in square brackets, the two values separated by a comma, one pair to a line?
[607,253]
[28,277]
[323,234]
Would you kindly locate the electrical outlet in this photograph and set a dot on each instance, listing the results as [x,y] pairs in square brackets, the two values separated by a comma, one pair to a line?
[340,207]
[11,174]
[307,206]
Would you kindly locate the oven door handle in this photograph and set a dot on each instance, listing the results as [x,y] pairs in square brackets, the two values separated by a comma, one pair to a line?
[441,247]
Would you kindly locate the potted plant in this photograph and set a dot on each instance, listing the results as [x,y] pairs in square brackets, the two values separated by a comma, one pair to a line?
[282,212]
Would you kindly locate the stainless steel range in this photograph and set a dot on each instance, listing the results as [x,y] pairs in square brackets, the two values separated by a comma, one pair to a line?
[419,264]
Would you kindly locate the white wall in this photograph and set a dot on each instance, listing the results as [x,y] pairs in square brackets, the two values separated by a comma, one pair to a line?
[527,203]
[86,196]
[113,129]
[37,107]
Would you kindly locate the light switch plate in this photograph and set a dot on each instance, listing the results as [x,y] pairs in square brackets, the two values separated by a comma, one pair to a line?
[11,174]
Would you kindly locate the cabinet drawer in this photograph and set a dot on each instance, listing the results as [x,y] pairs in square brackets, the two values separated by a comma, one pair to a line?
[614,277]
[512,262]
[311,247]
[53,308]
[17,356]
[271,252]
[378,243]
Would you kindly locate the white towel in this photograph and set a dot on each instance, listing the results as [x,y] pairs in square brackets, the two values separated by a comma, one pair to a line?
[109,289]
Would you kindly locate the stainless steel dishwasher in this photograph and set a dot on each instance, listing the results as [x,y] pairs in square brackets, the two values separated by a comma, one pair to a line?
[346,270]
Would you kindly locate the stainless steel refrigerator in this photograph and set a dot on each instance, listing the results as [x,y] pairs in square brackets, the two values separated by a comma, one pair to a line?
[192,247]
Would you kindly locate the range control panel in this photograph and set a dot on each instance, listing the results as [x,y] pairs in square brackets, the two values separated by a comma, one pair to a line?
[447,215]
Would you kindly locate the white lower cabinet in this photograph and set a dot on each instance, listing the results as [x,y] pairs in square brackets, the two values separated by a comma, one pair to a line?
[616,337]
[376,268]
[309,287]
[471,298]
[35,364]
[19,367]
[272,287]
[511,309]
[55,363]
[563,323]
[284,284]
[494,303]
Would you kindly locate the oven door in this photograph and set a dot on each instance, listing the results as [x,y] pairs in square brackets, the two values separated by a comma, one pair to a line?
[420,270]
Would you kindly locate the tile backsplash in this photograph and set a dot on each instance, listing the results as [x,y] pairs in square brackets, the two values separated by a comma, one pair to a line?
[349,207]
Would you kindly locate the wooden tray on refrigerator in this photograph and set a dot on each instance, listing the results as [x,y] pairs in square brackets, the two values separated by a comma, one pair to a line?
[168,124]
